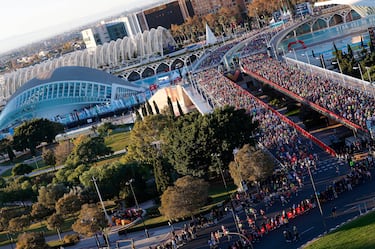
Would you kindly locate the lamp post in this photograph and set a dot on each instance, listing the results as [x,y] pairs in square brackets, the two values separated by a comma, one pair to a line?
[322,62]
[360,71]
[101,200]
[370,80]
[218,161]
[129,183]
[234,218]
[316,196]
[308,61]
[104,210]
[338,63]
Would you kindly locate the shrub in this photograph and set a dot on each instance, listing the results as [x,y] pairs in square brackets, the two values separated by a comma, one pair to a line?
[71,239]
[21,169]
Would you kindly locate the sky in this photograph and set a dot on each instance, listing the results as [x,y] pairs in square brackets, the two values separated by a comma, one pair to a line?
[26,21]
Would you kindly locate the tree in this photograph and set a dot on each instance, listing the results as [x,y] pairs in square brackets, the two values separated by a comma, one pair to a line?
[145,138]
[68,204]
[105,129]
[17,224]
[170,107]
[192,140]
[31,240]
[6,148]
[149,108]
[180,109]
[54,222]
[90,221]
[112,178]
[21,169]
[33,132]
[184,198]
[251,164]
[40,211]
[350,51]
[156,107]
[144,111]
[62,151]
[162,174]
[50,194]
[88,150]
[48,157]
[2,182]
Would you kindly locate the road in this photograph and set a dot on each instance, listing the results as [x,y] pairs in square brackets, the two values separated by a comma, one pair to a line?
[311,224]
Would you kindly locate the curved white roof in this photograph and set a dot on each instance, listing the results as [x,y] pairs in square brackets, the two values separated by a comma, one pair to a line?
[366,3]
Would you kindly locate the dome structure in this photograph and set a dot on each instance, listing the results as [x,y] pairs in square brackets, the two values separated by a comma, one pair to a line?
[61,91]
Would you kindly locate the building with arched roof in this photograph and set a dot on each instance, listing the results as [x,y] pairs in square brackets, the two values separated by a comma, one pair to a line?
[151,43]
[362,7]
[58,93]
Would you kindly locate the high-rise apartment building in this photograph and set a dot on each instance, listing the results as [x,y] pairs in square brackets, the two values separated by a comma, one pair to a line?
[202,8]
[105,32]
[174,12]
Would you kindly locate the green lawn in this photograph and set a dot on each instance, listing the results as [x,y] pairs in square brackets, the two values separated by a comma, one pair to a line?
[358,234]
[118,141]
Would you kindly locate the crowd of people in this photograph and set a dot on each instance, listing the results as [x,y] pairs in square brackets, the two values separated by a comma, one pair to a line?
[289,147]
[351,103]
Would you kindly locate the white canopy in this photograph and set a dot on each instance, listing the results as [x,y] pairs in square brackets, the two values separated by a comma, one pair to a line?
[210,37]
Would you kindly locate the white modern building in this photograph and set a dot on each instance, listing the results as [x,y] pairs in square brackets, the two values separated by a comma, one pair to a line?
[362,7]
[143,45]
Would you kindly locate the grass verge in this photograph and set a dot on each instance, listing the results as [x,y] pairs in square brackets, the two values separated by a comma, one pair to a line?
[358,234]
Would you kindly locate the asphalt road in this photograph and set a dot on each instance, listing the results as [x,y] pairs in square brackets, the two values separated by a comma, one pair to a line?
[310,225]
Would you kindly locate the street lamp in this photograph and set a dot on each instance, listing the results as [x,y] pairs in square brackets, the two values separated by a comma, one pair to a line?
[370,80]
[322,62]
[308,61]
[103,206]
[129,183]
[360,71]
[235,151]
[234,218]
[316,196]
[218,161]
[338,63]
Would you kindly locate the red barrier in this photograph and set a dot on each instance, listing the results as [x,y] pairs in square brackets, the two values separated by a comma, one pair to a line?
[318,108]
[304,133]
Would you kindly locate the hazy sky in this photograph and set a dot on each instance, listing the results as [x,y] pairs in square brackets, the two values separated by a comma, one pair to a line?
[25,21]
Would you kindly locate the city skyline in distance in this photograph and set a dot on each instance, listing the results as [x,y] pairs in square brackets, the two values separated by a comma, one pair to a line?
[28,21]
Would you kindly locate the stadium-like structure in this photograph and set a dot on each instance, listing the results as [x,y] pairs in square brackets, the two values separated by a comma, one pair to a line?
[362,7]
[143,45]
[67,94]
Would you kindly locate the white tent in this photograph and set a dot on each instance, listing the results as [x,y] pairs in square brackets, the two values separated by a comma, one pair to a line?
[210,37]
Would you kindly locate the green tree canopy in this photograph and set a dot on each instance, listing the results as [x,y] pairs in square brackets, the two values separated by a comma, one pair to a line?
[68,204]
[33,132]
[184,198]
[90,221]
[112,178]
[54,222]
[17,224]
[48,157]
[31,240]
[50,194]
[40,211]
[105,129]
[253,164]
[21,169]
[89,149]
[193,139]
